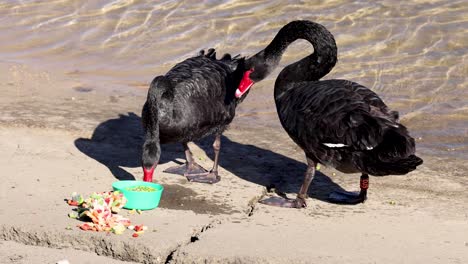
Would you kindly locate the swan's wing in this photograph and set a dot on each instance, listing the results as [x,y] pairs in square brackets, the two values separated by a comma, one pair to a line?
[372,99]
[328,114]
[201,77]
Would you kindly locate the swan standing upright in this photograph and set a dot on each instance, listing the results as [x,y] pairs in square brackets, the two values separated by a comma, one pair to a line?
[337,122]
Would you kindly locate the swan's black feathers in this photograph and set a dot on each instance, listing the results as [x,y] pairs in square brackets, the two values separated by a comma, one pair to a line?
[337,113]
[202,85]
[335,121]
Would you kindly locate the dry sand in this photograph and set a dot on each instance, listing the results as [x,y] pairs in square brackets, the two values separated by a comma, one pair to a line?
[54,143]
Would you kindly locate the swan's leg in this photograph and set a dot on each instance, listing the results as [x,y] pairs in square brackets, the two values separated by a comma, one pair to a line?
[212,176]
[300,200]
[352,197]
[190,167]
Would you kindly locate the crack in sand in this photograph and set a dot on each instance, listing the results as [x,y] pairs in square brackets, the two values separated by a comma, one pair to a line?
[193,238]
[252,204]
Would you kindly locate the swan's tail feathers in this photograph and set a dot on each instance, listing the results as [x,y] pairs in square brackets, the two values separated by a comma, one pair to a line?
[397,167]
[394,155]
[396,144]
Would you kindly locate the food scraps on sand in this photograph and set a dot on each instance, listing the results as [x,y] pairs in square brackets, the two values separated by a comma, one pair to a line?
[100,209]
[139,229]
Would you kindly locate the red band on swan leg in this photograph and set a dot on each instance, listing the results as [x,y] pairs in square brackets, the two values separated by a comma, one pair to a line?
[364,184]
[148,174]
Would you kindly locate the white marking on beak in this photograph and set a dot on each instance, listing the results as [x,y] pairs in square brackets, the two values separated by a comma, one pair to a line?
[239,93]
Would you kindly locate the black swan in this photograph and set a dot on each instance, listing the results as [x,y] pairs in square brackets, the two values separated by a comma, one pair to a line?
[197,98]
[337,123]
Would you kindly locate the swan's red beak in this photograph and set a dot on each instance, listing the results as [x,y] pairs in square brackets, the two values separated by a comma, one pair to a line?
[148,174]
[245,84]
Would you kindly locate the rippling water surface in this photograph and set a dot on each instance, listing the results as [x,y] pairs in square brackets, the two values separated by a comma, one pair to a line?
[413,53]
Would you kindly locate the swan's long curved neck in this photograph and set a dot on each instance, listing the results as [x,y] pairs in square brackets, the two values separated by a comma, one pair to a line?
[310,68]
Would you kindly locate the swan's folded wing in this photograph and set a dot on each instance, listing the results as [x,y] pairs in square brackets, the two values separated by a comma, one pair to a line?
[328,114]
[200,77]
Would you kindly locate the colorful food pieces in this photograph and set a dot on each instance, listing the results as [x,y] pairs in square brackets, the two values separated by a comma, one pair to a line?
[118,229]
[77,197]
[72,203]
[114,200]
[73,215]
[139,230]
[76,200]
[86,226]
[101,209]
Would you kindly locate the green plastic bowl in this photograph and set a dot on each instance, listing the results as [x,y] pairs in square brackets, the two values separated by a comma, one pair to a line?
[138,199]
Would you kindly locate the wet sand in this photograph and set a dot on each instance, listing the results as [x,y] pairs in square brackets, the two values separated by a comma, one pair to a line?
[53,143]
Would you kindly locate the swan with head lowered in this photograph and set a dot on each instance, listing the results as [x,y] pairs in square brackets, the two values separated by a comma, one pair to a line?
[196,98]
[337,123]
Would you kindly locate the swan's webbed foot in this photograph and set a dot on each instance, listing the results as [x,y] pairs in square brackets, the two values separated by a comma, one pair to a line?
[299,202]
[207,177]
[186,169]
[343,197]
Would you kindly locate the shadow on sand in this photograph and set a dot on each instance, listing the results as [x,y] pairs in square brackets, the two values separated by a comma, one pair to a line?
[117,142]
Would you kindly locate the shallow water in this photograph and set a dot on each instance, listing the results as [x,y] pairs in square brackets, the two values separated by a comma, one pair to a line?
[414,54]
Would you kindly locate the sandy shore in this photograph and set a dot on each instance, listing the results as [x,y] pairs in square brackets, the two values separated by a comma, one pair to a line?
[54,143]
